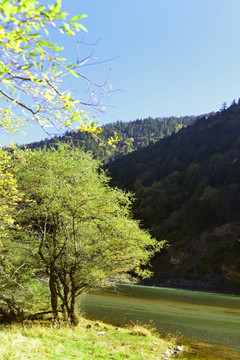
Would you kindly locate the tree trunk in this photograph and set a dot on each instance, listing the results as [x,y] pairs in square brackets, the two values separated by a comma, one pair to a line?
[72,315]
[53,292]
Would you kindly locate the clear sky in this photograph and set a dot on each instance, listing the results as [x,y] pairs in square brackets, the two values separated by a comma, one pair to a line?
[173,57]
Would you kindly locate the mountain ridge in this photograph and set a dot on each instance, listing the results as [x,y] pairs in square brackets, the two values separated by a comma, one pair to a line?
[132,136]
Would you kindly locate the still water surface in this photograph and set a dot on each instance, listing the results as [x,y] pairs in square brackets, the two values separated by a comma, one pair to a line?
[202,316]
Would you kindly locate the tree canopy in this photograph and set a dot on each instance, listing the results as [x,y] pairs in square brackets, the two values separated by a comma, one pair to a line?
[77,228]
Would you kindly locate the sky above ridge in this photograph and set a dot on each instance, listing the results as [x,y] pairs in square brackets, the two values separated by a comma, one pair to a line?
[167,57]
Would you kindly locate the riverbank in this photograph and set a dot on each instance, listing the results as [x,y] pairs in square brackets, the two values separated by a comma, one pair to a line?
[95,340]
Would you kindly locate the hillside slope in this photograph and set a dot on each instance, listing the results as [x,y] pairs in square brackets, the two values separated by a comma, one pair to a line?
[132,136]
[187,191]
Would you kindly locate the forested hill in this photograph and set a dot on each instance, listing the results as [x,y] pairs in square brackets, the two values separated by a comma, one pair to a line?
[209,135]
[132,135]
[188,192]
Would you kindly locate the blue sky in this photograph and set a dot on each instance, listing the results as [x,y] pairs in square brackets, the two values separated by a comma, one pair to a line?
[173,57]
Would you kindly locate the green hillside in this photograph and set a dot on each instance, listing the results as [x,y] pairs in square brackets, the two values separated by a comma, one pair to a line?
[187,191]
[132,136]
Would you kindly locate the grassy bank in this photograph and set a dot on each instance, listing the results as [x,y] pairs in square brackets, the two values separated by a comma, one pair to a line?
[91,340]
[102,341]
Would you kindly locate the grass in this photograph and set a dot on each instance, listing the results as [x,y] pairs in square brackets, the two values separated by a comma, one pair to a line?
[102,341]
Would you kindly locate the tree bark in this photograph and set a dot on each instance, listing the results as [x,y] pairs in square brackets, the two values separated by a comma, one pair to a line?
[72,315]
[53,291]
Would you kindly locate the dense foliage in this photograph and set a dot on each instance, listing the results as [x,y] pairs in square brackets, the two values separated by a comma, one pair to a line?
[9,193]
[188,184]
[71,229]
[9,260]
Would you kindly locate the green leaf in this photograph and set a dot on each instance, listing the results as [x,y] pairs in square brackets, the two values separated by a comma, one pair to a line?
[57,6]
[78,26]
[72,72]
[41,8]
[78,17]
[67,30]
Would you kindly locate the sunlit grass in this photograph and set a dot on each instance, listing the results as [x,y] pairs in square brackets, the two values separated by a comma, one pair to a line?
[100,342]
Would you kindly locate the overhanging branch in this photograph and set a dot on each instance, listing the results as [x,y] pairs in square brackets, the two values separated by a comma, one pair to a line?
[19,103]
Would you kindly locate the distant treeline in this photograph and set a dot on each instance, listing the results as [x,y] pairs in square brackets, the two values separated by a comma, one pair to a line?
[132,136]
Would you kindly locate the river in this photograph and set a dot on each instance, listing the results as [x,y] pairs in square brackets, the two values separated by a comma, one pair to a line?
[208,317]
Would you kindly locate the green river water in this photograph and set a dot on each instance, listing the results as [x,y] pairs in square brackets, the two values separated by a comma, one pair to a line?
[208,317]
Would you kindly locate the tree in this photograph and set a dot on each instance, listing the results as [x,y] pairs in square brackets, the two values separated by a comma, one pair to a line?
[77,227]
[224,106]
[31,69]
